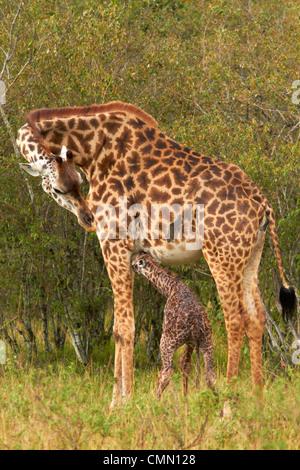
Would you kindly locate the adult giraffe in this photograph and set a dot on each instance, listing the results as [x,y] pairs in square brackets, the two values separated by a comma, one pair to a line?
[124,155]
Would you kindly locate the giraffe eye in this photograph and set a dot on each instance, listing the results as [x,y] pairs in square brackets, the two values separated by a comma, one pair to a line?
[140,263]
[58,191]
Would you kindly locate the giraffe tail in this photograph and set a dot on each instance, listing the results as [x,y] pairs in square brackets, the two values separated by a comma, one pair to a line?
[287,296]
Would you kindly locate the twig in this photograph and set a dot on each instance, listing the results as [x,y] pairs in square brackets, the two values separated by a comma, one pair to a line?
[8,322]
[203,272]
[199,107]
[199,438]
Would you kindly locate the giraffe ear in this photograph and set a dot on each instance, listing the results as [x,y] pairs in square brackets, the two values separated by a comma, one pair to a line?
[34,169]
[58,159]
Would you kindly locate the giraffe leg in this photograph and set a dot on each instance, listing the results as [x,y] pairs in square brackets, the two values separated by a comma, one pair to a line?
[235,332]
[235,314]
[210,376]
[236,318]
[117,260]
[185,367]
[124,339]
[229,286]
[167,353]
[257,316]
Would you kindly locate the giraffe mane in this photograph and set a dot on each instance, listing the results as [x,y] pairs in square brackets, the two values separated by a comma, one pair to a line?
[43,114]
[31,120]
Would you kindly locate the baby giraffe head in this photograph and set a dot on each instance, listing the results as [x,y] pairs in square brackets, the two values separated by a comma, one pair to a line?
[61,181]
[142,263]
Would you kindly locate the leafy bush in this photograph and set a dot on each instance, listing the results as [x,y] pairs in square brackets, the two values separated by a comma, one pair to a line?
[216,76]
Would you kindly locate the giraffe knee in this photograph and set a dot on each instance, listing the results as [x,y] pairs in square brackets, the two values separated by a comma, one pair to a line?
[257,322]
[261,313]
[124,334]
[210,378]
[262,318]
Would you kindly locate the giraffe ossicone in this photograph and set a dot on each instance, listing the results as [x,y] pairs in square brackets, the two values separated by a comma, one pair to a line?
[63,153]
[123,153]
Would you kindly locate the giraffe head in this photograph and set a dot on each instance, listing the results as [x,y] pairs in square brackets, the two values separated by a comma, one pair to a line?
[61,181]
[141,263]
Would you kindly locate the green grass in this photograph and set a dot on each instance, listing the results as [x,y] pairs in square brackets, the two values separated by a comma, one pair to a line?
[59,404]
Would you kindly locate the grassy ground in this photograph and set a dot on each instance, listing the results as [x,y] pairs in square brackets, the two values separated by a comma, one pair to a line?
[59,404]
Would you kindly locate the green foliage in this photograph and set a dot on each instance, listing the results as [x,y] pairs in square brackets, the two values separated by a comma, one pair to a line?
[216,76]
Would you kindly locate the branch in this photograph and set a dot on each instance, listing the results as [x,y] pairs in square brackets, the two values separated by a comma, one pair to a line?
[8,54]
[293,330]
[28,62]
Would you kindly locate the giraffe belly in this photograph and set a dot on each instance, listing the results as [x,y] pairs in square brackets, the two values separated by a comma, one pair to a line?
[170,253]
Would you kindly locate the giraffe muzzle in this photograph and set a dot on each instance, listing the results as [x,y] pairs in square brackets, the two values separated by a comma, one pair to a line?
[87,220]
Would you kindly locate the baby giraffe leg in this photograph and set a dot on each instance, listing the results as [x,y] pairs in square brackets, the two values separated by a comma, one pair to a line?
[210,376]
[185,367]
[167,369]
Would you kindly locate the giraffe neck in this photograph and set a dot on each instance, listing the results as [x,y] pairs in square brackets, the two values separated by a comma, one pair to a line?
[99,136]
[160,278]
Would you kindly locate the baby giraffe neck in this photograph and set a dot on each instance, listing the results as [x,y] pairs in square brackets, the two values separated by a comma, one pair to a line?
[162,280]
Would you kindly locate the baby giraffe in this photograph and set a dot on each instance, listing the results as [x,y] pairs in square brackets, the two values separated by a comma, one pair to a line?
[185,322]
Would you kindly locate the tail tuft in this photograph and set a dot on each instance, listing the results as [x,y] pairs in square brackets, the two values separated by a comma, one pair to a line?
[287,299]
